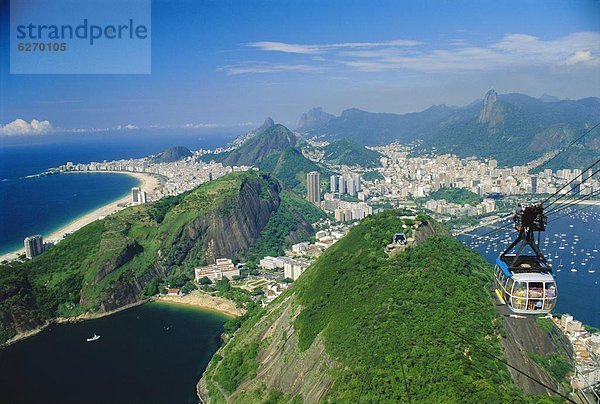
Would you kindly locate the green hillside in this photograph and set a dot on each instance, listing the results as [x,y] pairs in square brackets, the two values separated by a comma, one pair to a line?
[111,262]
[456,195]
[275,150]
[361,327]
[273,139]
[347,152]
[291,167]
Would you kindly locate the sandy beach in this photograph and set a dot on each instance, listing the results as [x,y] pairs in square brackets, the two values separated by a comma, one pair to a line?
[146,181]
[204,301]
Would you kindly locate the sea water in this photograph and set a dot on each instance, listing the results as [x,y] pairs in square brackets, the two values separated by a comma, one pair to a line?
[154,353]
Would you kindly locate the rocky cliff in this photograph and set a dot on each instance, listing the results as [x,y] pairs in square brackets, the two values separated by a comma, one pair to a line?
[109,263]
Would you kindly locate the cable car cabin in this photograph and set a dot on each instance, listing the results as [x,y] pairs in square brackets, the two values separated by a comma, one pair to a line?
[529,289]
[525,282]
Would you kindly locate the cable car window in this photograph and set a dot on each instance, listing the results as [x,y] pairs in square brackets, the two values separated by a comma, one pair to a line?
[502,280]
[510,284]
[549,304]
[519,303]
[534,304]
[550,291]
[520,289]
[536,289]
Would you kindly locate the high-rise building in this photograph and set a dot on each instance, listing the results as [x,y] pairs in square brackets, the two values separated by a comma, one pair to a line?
[333,180]
[138,196]
[135,194]
[342,185]
[313,188]
[34,245]
[534,185]
[351,186]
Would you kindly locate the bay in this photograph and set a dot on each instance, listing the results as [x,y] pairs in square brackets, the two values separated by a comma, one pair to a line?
[154,353]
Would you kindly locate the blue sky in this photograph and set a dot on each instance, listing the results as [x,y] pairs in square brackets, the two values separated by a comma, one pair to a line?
[221,63]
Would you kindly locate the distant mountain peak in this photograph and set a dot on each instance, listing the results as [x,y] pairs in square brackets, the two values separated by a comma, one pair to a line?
[489,103]
[548,98]
[314,118]
[266,124]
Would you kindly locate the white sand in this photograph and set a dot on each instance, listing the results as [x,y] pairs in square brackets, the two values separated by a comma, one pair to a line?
[204,301]
[148,183]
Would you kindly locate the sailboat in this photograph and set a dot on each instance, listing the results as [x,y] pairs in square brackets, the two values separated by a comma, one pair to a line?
[94,338]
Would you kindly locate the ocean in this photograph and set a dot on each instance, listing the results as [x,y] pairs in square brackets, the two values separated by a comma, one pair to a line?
[42,205]
[571,243]
[154,353]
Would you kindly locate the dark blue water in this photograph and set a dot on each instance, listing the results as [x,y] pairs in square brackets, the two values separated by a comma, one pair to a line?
[153,353]
[42,205]
[579,235]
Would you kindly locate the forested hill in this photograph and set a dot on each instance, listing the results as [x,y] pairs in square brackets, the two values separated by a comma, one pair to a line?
[273,139]
[275,149]
[359,326]
[350,153]
[172,154]
[120,259]
[513,128]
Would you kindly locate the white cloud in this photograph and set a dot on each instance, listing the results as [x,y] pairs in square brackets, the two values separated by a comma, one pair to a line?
[513,50]
[579,57]
[260,67]
[20,127]
[321,48]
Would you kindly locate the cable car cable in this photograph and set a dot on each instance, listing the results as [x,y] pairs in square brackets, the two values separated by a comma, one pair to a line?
[571,144]
[572,203]
[569,183]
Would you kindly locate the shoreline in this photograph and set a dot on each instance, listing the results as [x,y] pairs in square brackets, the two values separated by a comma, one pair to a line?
[146,181]
[65,320]
[203,301]
[195,299]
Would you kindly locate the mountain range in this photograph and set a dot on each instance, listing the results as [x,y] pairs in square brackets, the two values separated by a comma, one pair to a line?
[512,128]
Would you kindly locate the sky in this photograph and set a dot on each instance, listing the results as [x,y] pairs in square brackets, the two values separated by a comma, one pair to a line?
[218,64]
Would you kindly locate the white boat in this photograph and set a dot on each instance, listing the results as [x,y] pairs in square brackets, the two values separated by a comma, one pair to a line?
[94,338]
[573,270]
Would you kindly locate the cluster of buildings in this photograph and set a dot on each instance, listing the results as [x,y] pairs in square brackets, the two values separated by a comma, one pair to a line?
[177,177]
[444,207]
[292,267]
[416,177]
[223,268]
[587,352]
[344,211]
[345,184]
